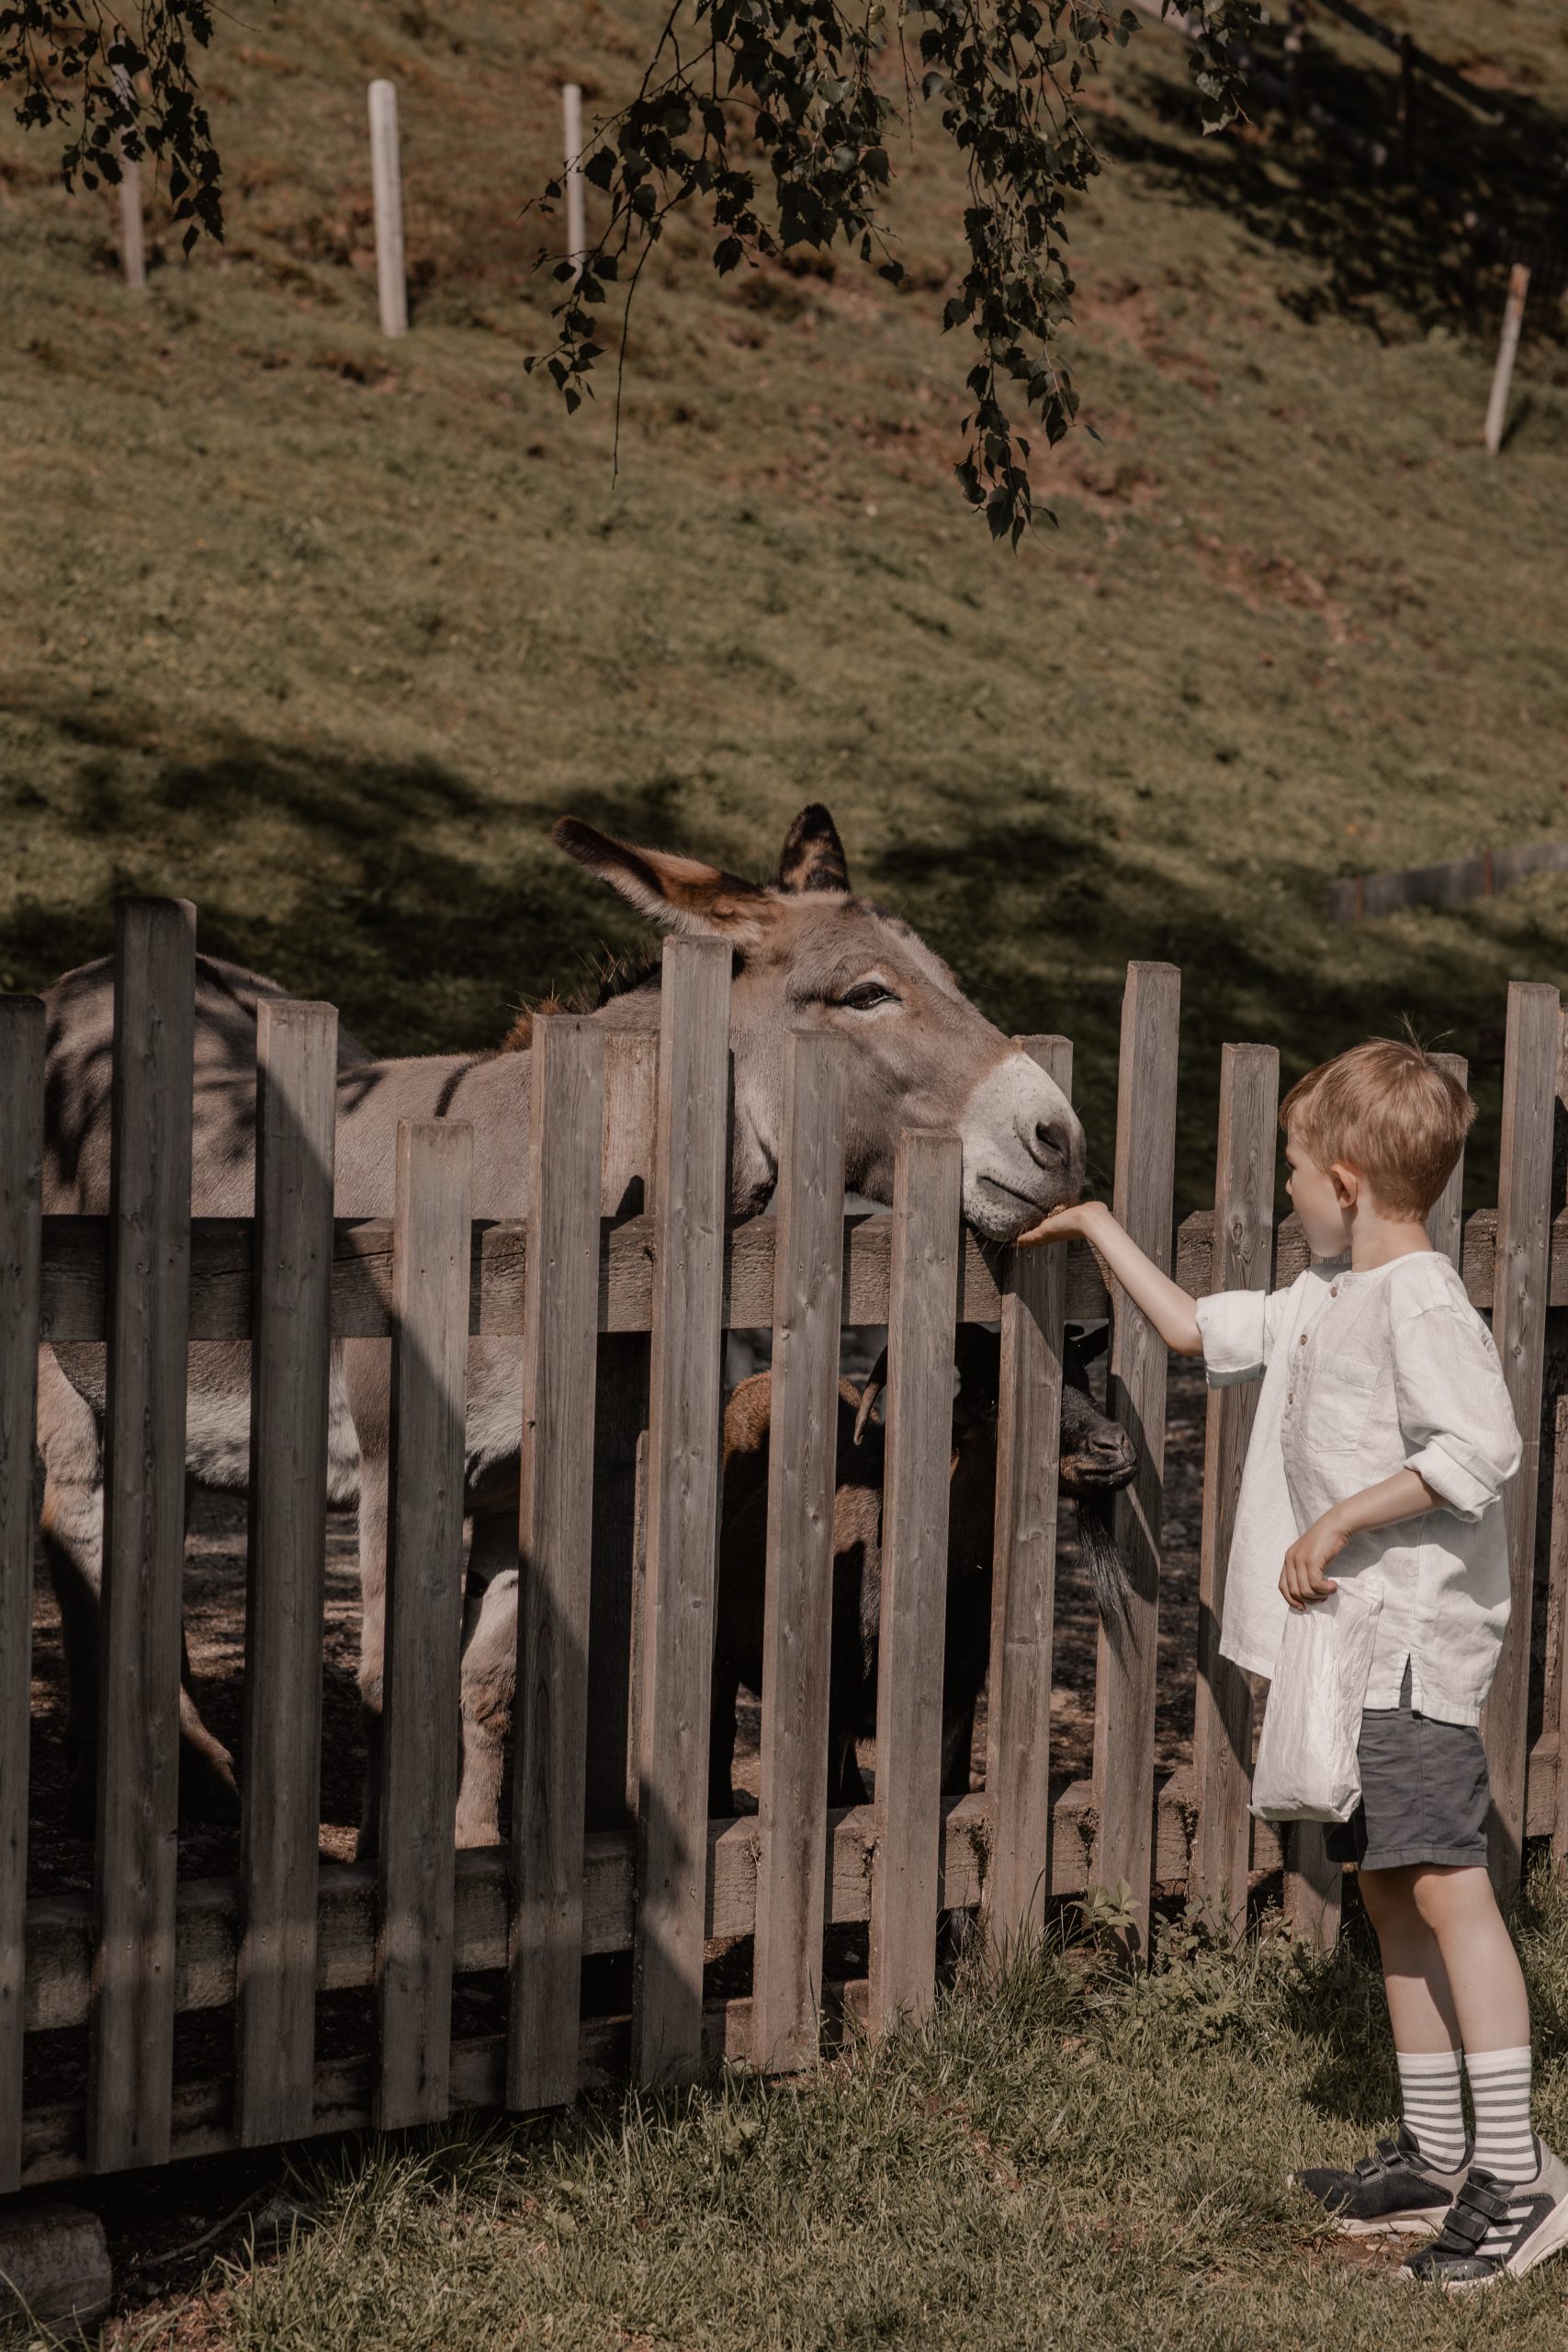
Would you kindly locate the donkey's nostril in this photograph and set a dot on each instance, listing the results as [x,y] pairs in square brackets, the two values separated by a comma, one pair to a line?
[1052,1140]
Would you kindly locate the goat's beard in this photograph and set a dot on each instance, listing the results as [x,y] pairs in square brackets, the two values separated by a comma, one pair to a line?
[1101,1554]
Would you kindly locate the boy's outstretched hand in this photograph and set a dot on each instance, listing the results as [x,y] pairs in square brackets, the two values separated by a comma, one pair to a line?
[1166,1306]
[1073,1222]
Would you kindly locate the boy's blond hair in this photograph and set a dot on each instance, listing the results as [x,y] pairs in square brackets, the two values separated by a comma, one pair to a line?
[1390,1111]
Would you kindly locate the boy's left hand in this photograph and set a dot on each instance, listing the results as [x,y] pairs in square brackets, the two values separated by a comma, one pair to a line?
[1302,1579]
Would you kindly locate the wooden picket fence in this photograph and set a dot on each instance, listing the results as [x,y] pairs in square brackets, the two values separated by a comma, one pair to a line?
[574,1283]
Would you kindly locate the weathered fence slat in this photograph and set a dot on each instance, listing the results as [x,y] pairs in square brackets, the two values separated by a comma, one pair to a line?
[21,1243]
[290,1368]
[1314,1886]
[555,1562]
[1244,1240]
[620,1419]
[1519,1328]
[1029,1426]
[797,1621]
[1445,1219]
[926,1191]
[1126,1683]
[1555,1698]
[425,1608]
[131,2068]
[682,1508]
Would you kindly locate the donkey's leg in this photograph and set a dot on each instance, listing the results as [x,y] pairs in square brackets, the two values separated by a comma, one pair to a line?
[208,1789]
[367,1367]
[72,1519]
[488,1689]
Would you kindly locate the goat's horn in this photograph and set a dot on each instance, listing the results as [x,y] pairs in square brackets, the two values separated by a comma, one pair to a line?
[869,1395]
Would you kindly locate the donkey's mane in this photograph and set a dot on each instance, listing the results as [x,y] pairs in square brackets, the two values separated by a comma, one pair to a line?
[610,975]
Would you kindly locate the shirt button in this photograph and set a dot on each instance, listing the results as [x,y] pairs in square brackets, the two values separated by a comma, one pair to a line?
[1303,1339]
[1333,1290]
[1290,1396]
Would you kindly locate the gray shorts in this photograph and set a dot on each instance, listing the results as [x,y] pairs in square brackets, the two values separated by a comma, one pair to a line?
[1425,1795]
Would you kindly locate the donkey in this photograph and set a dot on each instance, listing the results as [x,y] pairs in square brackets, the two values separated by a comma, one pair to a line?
[806,950]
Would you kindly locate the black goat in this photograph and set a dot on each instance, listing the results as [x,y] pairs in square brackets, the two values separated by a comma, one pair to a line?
[1097,1458]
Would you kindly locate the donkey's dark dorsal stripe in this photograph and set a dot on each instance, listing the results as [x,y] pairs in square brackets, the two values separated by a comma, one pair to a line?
[812,856]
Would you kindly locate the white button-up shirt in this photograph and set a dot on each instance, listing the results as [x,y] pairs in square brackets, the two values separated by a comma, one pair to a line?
[1365,1374]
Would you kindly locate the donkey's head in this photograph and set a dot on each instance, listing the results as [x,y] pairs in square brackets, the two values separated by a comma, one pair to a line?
[808,953]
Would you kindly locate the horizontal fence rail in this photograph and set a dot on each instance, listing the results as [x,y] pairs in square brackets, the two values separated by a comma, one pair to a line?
[75,1252]
[611,1300]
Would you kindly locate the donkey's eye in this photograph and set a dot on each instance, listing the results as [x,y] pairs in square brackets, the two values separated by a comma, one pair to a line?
[865,994]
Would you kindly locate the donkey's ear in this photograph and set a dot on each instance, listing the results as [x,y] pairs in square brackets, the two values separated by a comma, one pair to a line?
[682,893]
[812,856]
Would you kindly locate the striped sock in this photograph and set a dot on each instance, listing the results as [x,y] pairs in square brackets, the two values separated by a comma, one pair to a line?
[1434,2111]
[1500,2093]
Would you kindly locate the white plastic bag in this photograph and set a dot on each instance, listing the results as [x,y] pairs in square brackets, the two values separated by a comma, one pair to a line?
[1307,1768]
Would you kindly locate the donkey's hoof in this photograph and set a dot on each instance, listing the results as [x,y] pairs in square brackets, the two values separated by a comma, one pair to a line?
[208,1792]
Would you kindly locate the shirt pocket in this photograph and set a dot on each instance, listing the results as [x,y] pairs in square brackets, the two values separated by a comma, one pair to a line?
[1340,1402]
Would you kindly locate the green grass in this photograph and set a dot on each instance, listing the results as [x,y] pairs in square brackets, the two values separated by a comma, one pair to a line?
[1063,2159]
[324,631]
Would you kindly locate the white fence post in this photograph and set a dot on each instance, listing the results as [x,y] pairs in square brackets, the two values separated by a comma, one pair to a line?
[388,187]
[576,234]
[1507,350]
[132,243]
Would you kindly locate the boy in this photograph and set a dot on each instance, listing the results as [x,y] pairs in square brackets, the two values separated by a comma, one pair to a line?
[1383,1436]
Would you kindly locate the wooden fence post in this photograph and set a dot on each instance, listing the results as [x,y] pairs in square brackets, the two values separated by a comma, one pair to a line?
[571,126]
[1029,1430]
[1126,1678]
[1519,1328]
[387,194]
[922,1302]
[132,236]
[1445,1220]
[130,2080]
[21,1248]
[1507,352]
[798,1605]
[1244,1239]
[290,1370]
[682,1509]
[560,1327]
[423,1618]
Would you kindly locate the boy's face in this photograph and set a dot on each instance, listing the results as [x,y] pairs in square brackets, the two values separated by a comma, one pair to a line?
[1319,1200]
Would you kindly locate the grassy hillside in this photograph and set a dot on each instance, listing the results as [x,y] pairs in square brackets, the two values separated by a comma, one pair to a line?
[323,632]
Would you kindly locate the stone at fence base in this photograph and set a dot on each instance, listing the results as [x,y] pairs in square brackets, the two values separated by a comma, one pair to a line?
[54,2264]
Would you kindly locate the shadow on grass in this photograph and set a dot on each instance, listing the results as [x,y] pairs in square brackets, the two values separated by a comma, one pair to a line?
[1298,984]
[1430,240]
[425,909]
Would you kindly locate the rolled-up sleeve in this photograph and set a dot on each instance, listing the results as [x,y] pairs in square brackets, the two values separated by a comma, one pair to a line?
[1454,1412]
[1235,1326]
